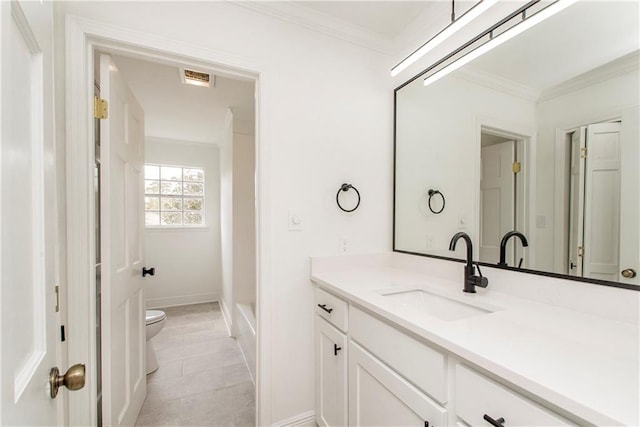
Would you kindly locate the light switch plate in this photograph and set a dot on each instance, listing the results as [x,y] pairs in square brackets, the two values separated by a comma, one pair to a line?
[295,220]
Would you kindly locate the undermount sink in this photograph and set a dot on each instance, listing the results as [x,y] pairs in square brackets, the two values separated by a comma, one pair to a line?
[435,305]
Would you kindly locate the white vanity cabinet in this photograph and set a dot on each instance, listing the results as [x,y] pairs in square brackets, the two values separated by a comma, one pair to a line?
[331,360]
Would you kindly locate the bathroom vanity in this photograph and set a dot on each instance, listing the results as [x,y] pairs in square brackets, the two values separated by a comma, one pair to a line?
[397,342]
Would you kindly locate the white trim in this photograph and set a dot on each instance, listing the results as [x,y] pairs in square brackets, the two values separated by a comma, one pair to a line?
[306,419]
[226,316]
[153,303]
[82,35]
[498,83]
[621,66]
[323,23]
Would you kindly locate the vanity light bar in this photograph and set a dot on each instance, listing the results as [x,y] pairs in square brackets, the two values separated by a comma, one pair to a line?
[500,39]
[450,30]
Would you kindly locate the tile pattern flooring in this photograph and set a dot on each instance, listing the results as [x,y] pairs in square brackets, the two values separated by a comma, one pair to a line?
[202,379]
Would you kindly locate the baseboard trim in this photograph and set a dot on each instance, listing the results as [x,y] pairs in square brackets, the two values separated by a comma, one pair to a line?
[226,316]
[306,419]
[181,300]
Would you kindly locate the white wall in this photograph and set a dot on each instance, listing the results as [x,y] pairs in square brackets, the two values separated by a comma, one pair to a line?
[244,219]
[326,118]
[187,261]
[438,143]
[615,98]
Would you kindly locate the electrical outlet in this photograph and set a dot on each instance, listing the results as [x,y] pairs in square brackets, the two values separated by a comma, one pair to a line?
[462,221]
[343,245]
[429,241]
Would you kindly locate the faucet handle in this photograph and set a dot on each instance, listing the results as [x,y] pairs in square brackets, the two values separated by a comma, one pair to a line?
[481,281]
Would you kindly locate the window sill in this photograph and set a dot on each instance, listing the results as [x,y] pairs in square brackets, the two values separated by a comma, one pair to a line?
[177,228]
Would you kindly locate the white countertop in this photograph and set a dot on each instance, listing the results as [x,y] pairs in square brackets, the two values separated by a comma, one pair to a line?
[587,365]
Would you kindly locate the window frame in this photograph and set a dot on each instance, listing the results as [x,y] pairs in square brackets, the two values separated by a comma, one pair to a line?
[181,197]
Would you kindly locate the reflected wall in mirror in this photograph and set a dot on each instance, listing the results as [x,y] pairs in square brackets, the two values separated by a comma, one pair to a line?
[540,135]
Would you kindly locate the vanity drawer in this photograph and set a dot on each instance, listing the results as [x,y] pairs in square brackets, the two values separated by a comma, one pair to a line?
[477,396]
[420,364]
[332,308]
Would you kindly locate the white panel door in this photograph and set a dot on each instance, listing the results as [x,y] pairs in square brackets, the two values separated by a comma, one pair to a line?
[602,202]
[123,333]
[29,322]
[378,396]
[497,204]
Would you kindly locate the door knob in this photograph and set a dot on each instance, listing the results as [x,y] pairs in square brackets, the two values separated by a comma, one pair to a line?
[628,273]
[73,379]
[150,271]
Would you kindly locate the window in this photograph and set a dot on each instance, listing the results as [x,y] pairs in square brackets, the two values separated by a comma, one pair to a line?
[173,196]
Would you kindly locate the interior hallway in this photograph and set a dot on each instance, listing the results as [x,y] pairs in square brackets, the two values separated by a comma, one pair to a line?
[203,379]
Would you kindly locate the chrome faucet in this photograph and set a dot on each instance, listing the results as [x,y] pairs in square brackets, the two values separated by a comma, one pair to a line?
[470,279]
[503,246]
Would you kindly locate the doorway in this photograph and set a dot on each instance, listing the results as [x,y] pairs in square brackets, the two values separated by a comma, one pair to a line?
[195,163]
[502,194]
[86,37]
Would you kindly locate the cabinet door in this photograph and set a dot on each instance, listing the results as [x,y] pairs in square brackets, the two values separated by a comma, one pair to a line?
[331,375]
[380,397]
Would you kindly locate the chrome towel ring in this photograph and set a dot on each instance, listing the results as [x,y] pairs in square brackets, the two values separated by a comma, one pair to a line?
[347,187]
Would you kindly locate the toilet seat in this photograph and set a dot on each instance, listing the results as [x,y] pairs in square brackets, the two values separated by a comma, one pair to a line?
[154,316]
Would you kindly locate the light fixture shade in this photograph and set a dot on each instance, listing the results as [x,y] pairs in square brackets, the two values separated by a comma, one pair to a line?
[450,30]
[500,39]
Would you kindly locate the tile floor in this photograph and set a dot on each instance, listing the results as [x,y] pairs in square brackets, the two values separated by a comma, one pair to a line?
[202,379]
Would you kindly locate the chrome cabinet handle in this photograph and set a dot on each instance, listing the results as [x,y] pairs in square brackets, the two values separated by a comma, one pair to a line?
[628,273]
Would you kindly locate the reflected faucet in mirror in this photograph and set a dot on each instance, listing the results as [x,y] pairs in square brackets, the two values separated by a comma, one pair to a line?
[503,246]
[470,279]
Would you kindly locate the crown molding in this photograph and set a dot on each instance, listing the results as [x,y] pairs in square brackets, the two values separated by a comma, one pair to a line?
[498,83]
[619,67]
[321,23]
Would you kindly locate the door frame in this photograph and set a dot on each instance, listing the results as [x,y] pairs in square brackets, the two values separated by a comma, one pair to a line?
[82,38]
[525,143]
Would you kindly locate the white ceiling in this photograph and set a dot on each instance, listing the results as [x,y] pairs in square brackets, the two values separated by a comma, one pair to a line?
[174,110]
[582,37]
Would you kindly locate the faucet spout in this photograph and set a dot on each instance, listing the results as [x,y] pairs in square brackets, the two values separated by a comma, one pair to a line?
[467,239]
[470,279]
[503,245]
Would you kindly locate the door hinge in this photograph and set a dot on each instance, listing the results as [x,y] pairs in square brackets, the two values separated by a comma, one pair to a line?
[57,298]
[580,251]
[100,108]
[516,167]
[583,153]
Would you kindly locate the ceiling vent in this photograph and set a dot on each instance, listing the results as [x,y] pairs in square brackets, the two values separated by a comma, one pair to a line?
[197,78]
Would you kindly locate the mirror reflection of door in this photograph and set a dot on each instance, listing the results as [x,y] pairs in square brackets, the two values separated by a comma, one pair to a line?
[498,195]
[595,222]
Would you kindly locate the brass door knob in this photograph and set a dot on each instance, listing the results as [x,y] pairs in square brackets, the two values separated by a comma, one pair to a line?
[73,379]
[628,273]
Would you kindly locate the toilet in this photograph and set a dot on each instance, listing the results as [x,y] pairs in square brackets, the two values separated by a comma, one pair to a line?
[154,320]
